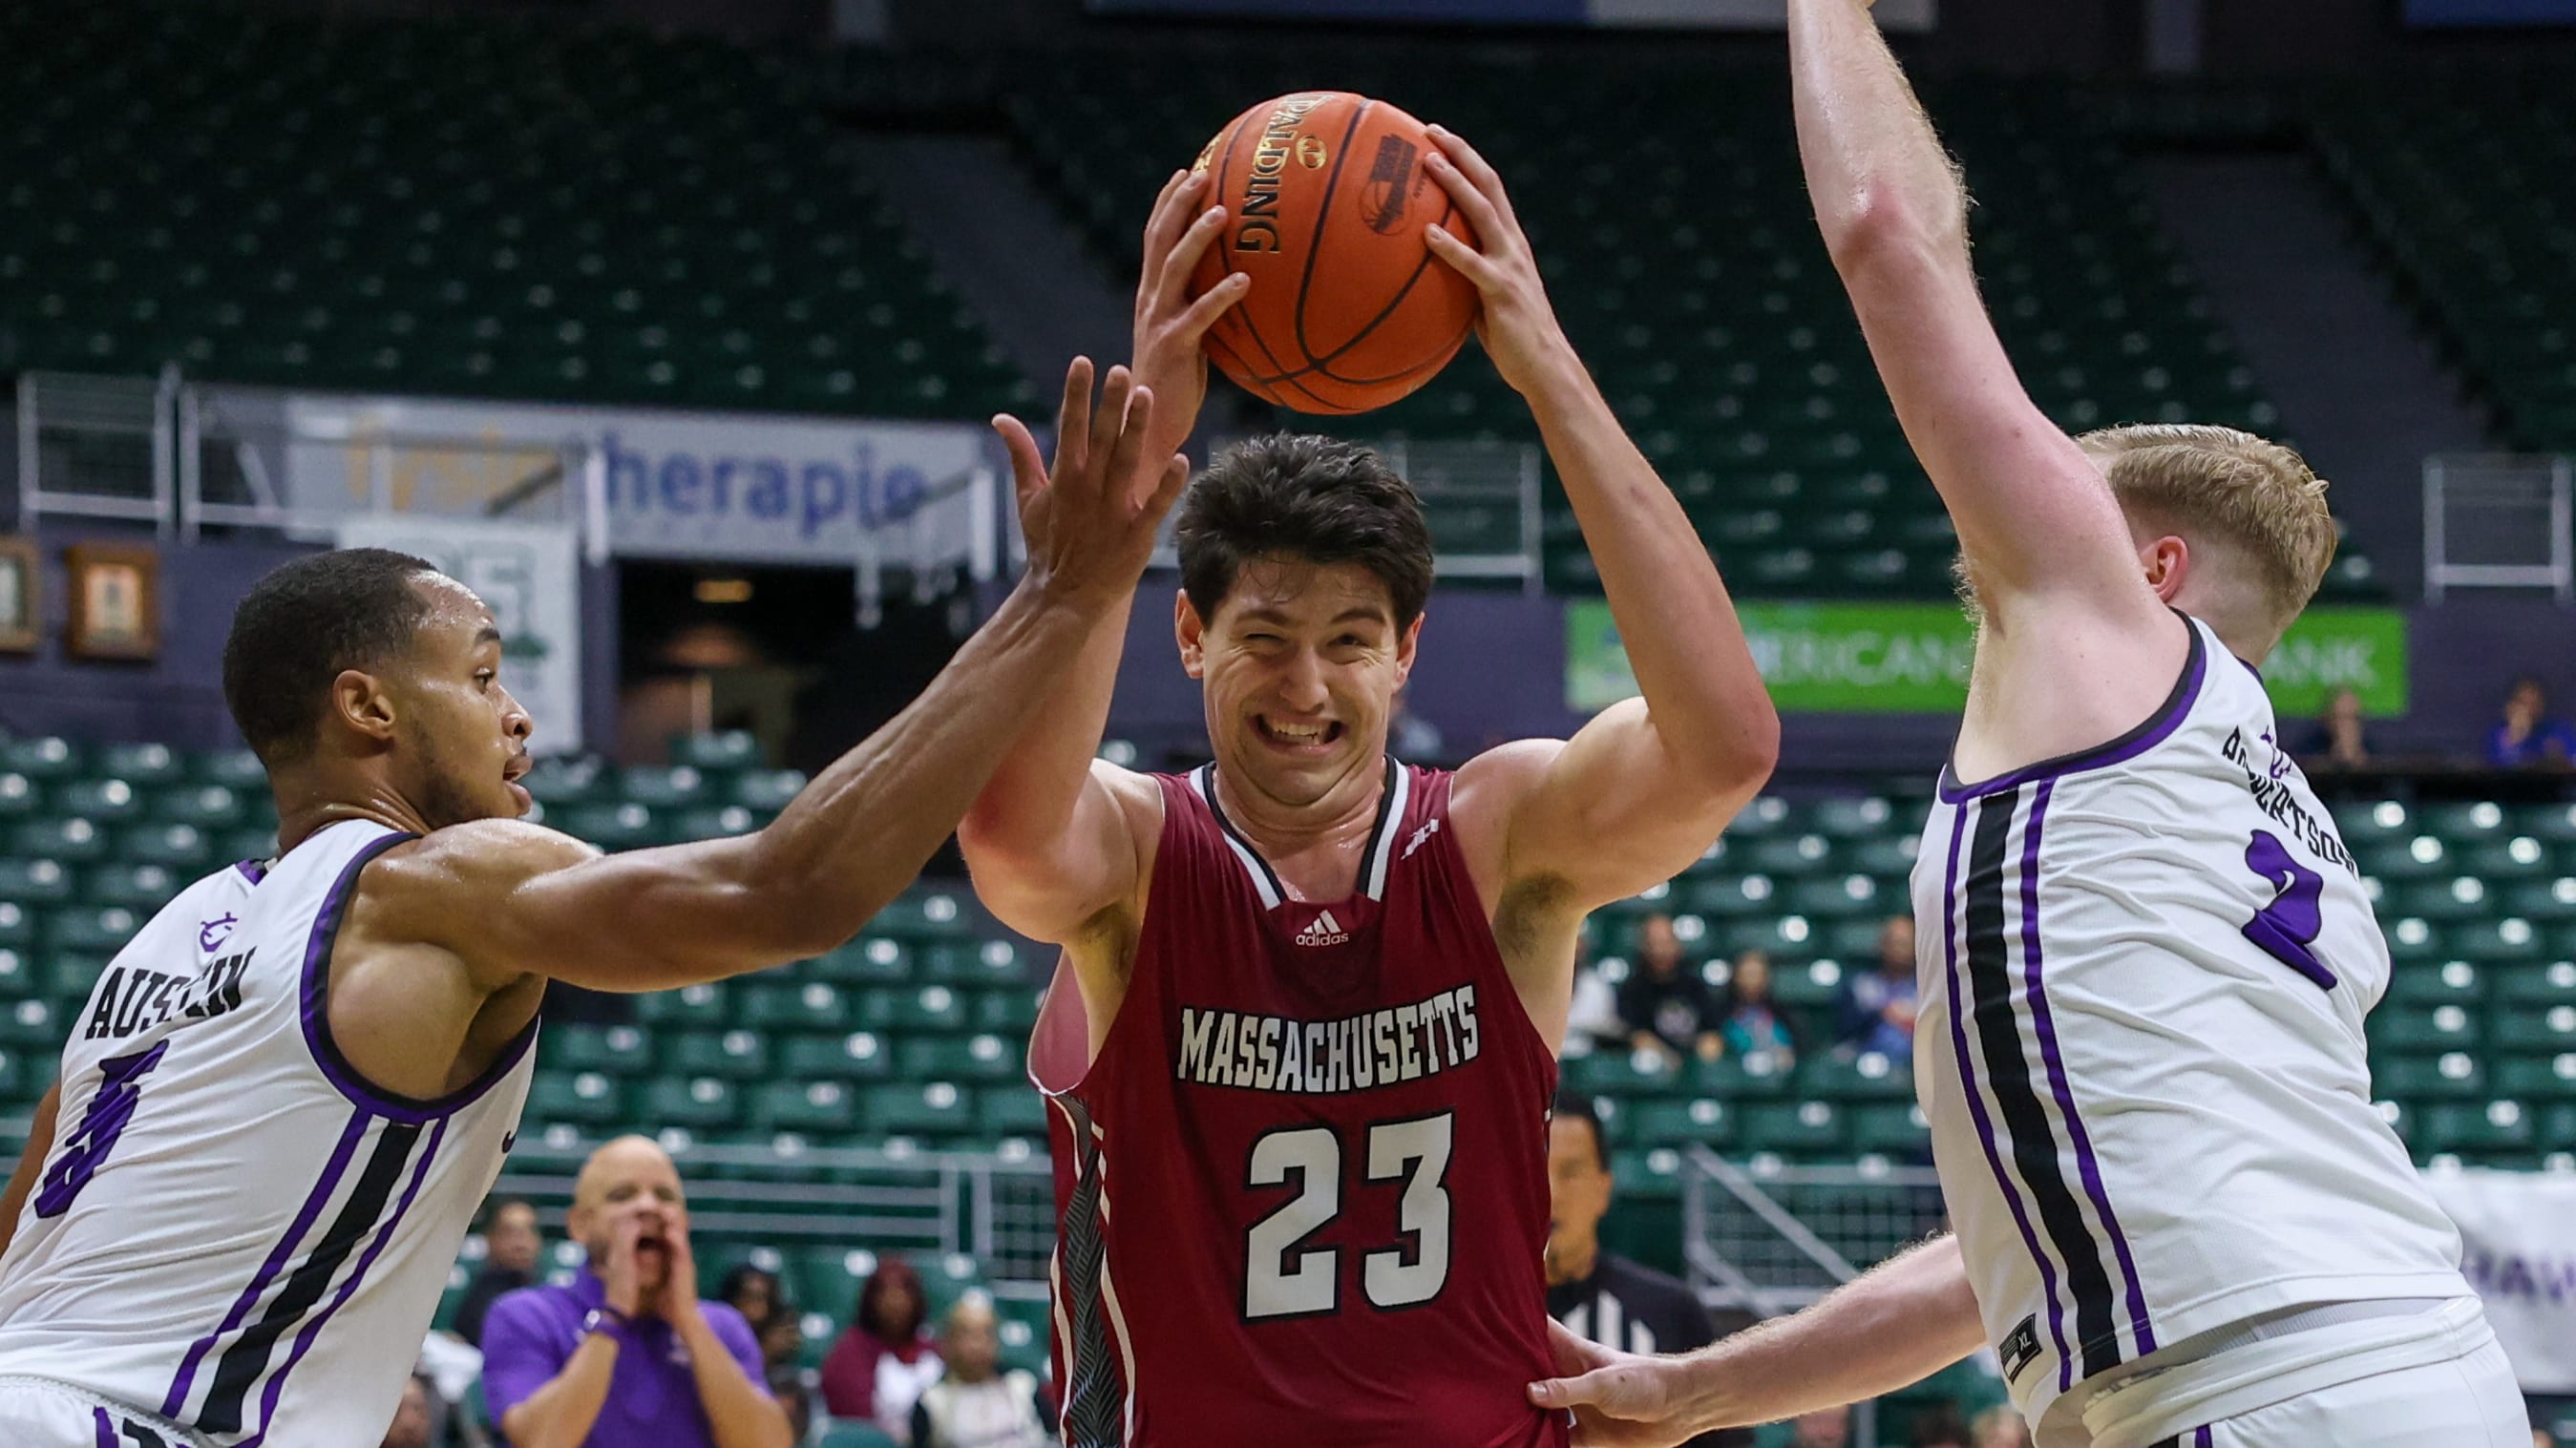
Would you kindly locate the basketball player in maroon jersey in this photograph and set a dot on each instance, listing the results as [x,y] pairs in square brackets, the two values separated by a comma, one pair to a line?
[1300,1065]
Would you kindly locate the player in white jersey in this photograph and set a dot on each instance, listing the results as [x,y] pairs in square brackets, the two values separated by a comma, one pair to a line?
[2143,954]
[289,1091]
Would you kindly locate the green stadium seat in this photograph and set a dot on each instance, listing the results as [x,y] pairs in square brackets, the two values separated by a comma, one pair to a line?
[1891,1129]
[41,758]
[2546,1032]
[1008,1011]
[868,960]
[1003,1109]
[2537,1078]
[714,753]
[778,1006]
[17,927]
[35,882]
[817,1107]
[1703,1120]
[142,764]
[1738,1078]
[1796,1129]
[971,1058]
[706,1006]
[210,807]
[141,888]
[2472,1129]
[32,1026]
[739,1055]
[610,826]
[1622,1073]
[237,769]
[700,1103]
[2434,1029]
[185,849]
[19,796]
[100,801]
[1651,1175]
[71,841]
[856,1056]
[659,788]
[2452,983]
[919,1108]
[2536,985]
[2455,1075]
[622,1051]
[1868,1076]
[92,930]
[903,1011]
[585,1098]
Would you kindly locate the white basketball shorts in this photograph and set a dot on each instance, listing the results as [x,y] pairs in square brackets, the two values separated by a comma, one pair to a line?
[42,1413]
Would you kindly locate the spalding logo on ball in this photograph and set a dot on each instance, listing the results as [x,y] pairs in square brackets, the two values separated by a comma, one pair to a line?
[1326,199]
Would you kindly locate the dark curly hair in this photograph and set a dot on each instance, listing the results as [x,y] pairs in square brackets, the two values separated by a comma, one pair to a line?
[1315,498]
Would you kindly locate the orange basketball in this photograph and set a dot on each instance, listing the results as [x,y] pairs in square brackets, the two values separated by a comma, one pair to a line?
[1326,199]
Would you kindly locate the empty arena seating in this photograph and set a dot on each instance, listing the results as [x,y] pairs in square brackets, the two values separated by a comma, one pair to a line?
[529,212]
[1670,217]
[2464,180]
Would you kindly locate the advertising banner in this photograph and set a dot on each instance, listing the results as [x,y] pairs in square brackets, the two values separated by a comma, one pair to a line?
[1912,658]
[530,575]
[2518,1240]
[719,485]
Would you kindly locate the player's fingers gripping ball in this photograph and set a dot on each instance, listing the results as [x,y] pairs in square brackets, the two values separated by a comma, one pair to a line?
[1327,200]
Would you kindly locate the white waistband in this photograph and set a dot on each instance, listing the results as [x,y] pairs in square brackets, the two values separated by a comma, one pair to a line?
[2280,1358]
[178,1437]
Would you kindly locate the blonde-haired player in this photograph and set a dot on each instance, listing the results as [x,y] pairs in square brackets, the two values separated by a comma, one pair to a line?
[2144,954]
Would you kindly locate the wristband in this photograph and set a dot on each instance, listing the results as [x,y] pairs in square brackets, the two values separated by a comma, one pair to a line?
[604,1319]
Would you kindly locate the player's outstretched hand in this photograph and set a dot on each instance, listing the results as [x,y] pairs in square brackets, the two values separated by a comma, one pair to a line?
[1519,327]
[1089,520]
[1620,1400]
[1171,327]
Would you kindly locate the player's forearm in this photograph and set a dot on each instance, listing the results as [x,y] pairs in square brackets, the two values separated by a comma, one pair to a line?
[864,828]
[1901,1322]
[1704,695]
[740,1411]
[1029,803]
[560,1414]
[1876,171]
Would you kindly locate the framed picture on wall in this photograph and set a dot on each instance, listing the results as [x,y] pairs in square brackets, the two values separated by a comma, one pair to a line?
[18,595]
[116,601]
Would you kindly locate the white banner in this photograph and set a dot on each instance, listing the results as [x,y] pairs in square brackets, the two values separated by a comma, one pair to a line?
[2518,1230]
[721,485]
[530,575]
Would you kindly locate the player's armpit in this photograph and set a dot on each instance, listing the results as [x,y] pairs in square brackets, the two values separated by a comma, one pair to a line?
[1050,888]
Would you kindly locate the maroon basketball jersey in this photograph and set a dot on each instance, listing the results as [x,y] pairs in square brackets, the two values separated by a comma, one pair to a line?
[1302,1193]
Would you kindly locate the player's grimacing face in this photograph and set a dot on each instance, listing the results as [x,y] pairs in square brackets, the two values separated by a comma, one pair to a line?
[1301,665]
[469,737]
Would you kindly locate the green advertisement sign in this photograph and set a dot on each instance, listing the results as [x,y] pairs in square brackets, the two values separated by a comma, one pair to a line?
[1912,658]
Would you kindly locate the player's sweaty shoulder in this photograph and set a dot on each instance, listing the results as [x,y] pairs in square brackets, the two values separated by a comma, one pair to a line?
[437,887]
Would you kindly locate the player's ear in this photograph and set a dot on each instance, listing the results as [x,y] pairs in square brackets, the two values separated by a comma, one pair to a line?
[2168,563]
[360,702]
[1190,632]
[1405,644]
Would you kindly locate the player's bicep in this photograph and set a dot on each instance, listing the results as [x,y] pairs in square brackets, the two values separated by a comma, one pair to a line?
[1050,892]
[513,900]
[1611,811]
[2033,513]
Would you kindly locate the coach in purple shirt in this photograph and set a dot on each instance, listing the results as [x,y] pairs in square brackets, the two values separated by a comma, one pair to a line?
[627,1356]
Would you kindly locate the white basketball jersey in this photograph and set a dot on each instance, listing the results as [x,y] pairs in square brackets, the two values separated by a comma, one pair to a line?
[2143,973]
[234,1231]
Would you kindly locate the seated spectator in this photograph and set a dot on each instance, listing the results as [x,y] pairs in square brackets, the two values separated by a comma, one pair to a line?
[1823,1428]
[414,1419]
[1748,1022]
[1668,1008]
[628,1354]
[782,1346]
[2340,740]
[975,1404]
[2001,1427]
[1877,1006]
[1940,1427]
[1592,1023]
[884,1359]
[751,1291]
[511,1247]
[2528,736]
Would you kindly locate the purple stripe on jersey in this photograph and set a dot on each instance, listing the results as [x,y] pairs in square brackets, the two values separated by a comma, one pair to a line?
[1977,1106]
[2042,1020]
[385,1234]
[106,1427]
[251,870]
[332,1171]
[2154,730]
[317,1017]
[2200,1439]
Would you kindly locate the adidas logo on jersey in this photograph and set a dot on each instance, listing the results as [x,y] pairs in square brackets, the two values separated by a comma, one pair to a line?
[1325,931]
